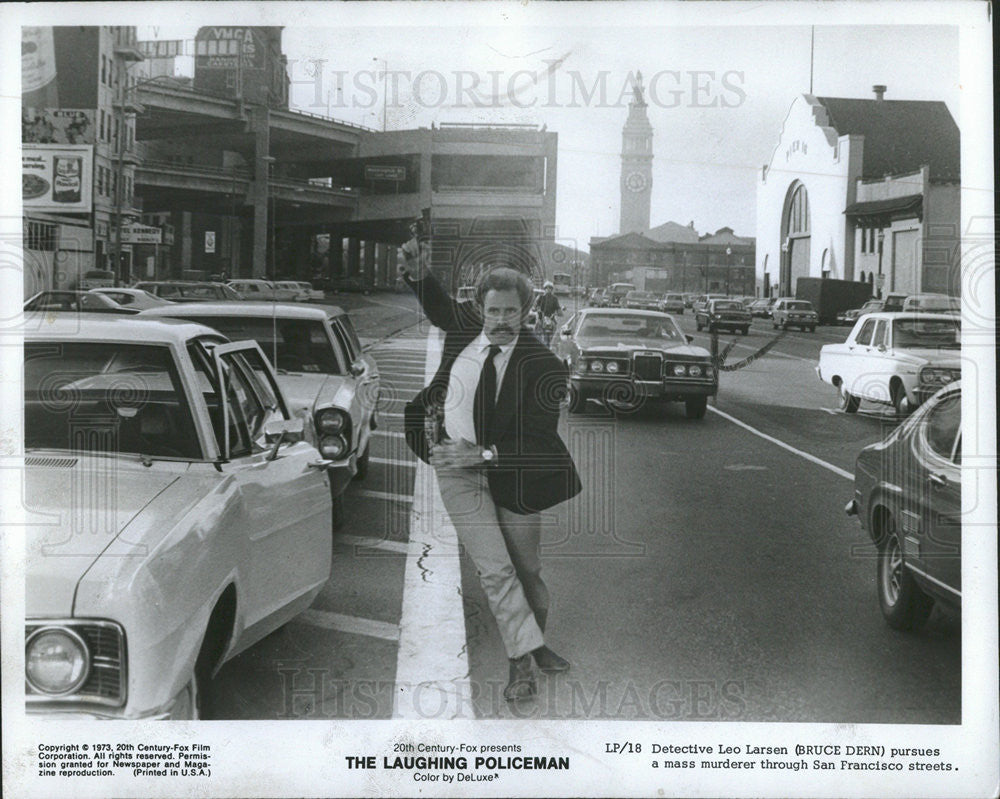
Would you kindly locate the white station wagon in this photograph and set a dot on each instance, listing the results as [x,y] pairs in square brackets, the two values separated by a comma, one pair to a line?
[178,512]
[256,289]
[320,367]
[895,358]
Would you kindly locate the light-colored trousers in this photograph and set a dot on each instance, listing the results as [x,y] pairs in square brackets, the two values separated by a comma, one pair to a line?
[506,550]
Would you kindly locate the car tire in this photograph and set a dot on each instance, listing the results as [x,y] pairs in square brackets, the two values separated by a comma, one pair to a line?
[577,401]
[848,402]
[745,331]
[695,407]
[697,324]
[899,401]
[904,605]
[363,461]
[812,329]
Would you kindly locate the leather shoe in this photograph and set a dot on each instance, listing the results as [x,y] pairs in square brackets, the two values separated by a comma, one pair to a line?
[549,662]
[521,683]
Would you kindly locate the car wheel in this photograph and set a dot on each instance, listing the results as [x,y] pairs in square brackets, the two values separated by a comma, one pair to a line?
[903,604]
[812,329]
[697,324]
[848,402]
[899,401]
[362,463]
[695,407]
[577,401]
[745,331]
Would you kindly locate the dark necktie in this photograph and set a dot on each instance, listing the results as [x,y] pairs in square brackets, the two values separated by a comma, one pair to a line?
[485,399]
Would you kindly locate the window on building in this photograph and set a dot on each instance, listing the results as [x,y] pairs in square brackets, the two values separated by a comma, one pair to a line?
[104,68]
[100,180]
[799,211]
[864,240]
[40,236]
[871,239]
[116,136]
[114,186]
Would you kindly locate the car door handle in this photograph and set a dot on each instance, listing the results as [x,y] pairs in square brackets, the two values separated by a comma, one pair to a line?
[937,479]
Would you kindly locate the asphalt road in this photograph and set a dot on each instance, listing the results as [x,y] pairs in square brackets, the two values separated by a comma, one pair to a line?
[707,571]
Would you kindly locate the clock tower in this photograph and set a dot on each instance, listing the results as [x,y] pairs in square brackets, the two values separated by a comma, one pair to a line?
[637,164]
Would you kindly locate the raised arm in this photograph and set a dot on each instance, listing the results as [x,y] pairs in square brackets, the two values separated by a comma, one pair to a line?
[441,310]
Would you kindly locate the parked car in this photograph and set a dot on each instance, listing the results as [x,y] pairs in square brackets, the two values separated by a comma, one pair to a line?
[132,298]
[320,367]
[205,524]
[624,358]
[760,308]
[62,301]
[895,358]
[851,316]
[932,303]
[671,303]
[689,299]
[255,289]
[908,497]
[893,302]
[642,300]
[746,301]
[188,290]
[723,315]
[788,313]
[303,290]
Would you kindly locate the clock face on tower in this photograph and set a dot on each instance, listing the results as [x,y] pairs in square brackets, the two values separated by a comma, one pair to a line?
[635,181]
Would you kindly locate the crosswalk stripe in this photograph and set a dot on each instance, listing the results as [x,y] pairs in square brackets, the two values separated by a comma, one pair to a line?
[385,544]
[387,496]
[350,624]
[432,665]
[387,434]
[391,461]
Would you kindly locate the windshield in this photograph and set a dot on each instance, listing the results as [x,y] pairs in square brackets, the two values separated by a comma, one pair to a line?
[727,306]
[292,345]
[630,327]
[915,333]
[108,398]
[799,306]
[934,304]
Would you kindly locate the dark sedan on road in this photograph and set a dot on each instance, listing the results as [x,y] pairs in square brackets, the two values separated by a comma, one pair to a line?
[849,317]
[671,303]
[907,496]
[642,300]
[723,315]
[760,308]
[624,358]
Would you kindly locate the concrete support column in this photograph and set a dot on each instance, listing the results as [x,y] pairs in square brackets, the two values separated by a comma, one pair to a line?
[336,256]
[185,242]
[369,265]
[260,126]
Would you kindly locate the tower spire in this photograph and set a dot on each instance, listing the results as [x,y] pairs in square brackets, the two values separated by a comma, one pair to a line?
[637,163]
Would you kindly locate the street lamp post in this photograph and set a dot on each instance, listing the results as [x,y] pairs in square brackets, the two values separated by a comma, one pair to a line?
[880,280]
[729,259]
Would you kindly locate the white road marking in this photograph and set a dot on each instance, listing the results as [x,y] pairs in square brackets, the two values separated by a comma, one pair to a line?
[432,667]
[391,461]
[349,624]
[783,445]
[387,433]
[400,547]
[387,496]
[390,414]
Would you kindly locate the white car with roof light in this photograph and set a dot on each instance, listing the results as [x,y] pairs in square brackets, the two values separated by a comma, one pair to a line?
[179,512]
[321,368]
[893,358]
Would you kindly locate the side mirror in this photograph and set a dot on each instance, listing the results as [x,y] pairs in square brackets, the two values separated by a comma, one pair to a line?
[357,368]
[288,431]
[689,338]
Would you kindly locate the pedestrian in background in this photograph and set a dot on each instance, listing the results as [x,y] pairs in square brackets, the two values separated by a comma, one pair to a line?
[500,460]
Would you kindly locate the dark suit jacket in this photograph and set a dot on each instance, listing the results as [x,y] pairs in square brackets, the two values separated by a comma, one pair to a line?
[533,470]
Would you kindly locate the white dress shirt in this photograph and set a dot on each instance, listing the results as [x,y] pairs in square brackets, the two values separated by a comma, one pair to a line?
[462,384]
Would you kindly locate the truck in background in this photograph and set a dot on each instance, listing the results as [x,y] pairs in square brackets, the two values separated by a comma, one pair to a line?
[830,297]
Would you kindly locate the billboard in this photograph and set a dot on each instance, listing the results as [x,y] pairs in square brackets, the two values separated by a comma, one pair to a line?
[60,66]
[240,60]
[56,177]
[57,125]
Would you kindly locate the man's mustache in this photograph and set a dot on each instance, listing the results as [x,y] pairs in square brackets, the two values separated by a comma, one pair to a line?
[502,328]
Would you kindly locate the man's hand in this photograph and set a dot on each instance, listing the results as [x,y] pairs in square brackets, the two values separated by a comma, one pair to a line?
[459,454]
[418,258]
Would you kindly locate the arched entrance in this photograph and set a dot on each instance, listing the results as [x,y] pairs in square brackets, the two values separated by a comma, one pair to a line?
[795,238]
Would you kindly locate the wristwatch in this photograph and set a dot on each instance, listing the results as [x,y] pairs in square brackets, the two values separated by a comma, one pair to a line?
[489,456]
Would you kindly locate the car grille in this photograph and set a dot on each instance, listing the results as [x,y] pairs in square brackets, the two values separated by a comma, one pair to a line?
[105,684]
[647,366]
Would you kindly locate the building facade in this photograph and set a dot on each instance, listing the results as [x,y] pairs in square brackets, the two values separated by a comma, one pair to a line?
[861,189]
[675,258]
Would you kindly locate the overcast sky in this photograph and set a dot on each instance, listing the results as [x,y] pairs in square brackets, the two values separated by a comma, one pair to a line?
[719,93]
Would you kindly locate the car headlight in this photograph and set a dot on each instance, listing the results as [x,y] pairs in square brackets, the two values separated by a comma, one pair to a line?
[694,370]
[332,447]
[597,366]
[56,661]
[613,367]
[679,369]
[937,374]
[330,421]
